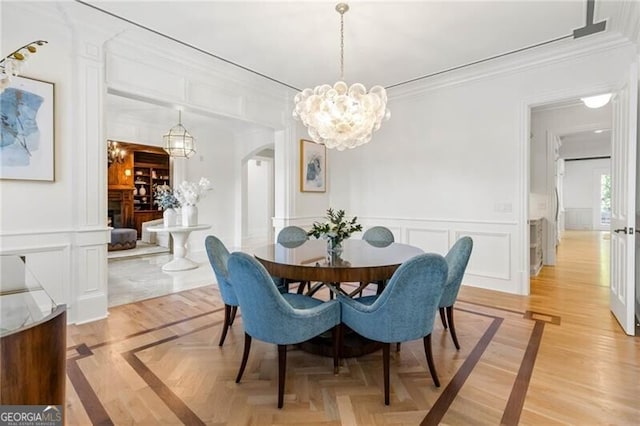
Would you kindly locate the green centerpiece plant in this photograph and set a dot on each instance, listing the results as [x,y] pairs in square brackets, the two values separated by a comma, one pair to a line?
[335,230]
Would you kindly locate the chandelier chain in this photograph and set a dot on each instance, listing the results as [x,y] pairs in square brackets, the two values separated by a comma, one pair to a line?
[342,46]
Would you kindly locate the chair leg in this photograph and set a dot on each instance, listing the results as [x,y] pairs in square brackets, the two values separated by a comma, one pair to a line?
[245,356]
[432,368]
[282,369]
[227,323]
[385,363]
[301,286]
[234,311]
[443,319]
[336,335]
[452,327]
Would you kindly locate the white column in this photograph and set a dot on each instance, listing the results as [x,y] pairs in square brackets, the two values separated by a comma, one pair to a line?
[91,235]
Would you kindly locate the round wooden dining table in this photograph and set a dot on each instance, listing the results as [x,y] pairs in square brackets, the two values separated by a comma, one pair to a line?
[360,262]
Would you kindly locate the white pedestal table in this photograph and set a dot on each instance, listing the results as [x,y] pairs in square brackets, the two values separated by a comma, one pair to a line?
[180,235]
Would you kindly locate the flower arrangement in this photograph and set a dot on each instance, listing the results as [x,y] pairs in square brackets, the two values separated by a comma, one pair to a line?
[337,229]
[189,193]
[164,197]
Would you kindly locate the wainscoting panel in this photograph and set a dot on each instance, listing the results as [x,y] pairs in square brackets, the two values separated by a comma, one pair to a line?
[497,260]
[429,240]
[71,266]
[491,255]
[578,219]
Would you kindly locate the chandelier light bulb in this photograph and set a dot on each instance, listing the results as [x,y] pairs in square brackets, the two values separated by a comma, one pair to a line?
[340,116]
[597,101]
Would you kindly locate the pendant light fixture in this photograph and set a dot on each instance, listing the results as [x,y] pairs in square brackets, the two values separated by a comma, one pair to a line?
[341,116]
[178,142]
[597,101]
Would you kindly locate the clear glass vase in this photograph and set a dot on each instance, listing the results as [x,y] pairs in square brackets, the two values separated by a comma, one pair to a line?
[334,248]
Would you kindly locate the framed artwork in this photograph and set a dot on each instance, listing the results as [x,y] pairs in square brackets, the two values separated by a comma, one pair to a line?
[27,130]
[313,166]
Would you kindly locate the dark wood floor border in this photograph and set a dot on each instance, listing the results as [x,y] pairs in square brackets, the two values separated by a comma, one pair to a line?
[175,404]
[172,401]
[484,305]
[442,404]
[150,330]
[512,411]
[90,401]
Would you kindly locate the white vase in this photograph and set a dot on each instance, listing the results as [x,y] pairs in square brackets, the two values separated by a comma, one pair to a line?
[169,217]
[142,191]
[189,215]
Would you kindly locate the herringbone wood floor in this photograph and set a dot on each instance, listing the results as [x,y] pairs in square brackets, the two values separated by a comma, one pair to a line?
[556,357]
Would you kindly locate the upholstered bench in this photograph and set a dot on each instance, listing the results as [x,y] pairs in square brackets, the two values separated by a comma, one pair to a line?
[123,239]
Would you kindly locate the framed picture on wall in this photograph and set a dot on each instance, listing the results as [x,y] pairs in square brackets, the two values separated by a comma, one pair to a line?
[313,166]
[27,130]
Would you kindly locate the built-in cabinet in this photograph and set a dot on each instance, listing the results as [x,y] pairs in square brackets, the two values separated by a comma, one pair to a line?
[132,184]
[535,245]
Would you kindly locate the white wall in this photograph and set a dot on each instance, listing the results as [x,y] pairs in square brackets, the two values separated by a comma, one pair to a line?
[448,163]
[581,190]
[64,223]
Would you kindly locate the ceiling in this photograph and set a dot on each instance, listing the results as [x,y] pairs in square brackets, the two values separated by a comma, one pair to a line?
[386,43]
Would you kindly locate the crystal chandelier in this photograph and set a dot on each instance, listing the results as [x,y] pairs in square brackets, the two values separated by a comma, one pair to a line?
[114,153]
[341,116]
[178,142]
[11,65]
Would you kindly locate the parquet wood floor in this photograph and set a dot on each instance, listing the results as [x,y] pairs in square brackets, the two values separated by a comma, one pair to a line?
[556,357]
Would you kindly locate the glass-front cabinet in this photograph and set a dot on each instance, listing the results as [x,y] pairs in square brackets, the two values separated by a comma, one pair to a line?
[23,301]
[32,338]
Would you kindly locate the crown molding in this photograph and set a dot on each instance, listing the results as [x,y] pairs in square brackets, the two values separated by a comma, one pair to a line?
[564,50]
[628,21]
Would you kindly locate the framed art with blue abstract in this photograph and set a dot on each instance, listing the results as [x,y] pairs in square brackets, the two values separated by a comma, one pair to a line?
[313,166]
[27,130]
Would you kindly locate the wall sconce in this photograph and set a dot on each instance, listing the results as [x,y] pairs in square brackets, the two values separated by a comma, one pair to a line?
[127,172]
[11,65]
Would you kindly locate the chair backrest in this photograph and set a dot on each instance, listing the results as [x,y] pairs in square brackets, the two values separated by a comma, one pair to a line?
[218,258]
[292,236]
[378,236]
[266,315]
[406,308]
[457,260]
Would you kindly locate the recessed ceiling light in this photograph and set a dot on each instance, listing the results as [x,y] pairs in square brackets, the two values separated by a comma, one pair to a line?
[597,101]
[598,131]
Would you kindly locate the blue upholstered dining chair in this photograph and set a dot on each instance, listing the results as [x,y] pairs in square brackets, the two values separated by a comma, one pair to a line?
[291,237]
[405,310]
[218,257]
[378,236]
[274,317]
[457,260]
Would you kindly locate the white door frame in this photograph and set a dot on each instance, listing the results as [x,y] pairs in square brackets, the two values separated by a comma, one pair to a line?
[524,155]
